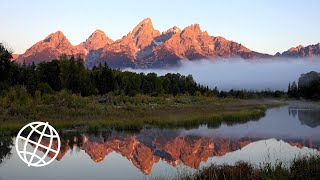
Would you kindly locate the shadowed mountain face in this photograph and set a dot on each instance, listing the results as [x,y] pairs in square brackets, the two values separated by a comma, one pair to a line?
[150,146]
[300,51]
[143,47]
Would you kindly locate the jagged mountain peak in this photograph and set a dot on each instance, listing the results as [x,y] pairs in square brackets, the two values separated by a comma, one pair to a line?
[52,47]
[57,34]
[145,24]
[145,47]
[301,51]
[296,48]
[192,29]
[98,31]
[98,39]
[144,33]
[57,40]
[147,20]
[172,30]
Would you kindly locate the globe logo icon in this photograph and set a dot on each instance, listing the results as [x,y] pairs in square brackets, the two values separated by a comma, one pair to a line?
[44,132]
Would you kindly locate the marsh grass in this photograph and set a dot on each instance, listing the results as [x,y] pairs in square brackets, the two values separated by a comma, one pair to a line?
[66,110]
[301,168]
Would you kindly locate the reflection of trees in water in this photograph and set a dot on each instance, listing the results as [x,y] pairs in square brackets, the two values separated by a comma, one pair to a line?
[6,144]
[307,117]
[293,112]
[310,118]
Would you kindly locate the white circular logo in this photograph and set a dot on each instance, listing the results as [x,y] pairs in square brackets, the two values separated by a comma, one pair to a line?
[50,146]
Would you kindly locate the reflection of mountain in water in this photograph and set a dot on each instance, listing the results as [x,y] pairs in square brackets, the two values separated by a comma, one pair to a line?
[149,146]
[68,142]
[6,144]
[309,117]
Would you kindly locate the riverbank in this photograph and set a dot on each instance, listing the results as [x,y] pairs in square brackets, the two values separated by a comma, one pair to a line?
[65,110]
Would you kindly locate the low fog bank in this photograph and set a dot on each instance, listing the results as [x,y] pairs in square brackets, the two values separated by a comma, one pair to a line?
[273,74]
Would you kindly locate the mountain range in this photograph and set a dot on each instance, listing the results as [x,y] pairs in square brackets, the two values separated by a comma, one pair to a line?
[146,47]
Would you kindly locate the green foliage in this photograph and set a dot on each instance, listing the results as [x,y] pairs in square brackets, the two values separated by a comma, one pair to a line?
[72,73]
[49,72]
[17,95]
[303,167]
[5,68]
[44,88]
[244,94]
[293,90]
[306,167]
[65,109]
[103,78]
[129,83]
[309,86]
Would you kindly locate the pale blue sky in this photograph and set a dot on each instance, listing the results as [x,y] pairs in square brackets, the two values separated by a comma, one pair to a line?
[266,26]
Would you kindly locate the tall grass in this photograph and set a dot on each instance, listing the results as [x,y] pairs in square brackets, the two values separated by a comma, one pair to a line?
[301,168]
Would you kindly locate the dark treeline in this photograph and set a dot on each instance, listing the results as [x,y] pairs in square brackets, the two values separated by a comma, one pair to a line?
[70,73]
[245,94]
[308,87]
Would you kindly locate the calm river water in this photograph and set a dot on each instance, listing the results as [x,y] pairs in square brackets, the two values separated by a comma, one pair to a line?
[283,134]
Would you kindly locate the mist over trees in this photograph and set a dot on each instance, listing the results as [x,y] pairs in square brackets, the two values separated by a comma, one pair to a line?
[70,73]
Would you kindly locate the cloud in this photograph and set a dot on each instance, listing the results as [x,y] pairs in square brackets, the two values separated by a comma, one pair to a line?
[236,73]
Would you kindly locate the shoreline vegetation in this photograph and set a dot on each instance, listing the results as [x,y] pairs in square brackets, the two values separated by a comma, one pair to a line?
[302,167]
[66,110]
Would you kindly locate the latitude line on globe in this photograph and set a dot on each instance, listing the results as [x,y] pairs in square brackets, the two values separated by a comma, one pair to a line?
[37,145]
[22,152]
[51,136]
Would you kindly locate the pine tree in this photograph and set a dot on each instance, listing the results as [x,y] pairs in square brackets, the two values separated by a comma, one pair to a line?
[289,90]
